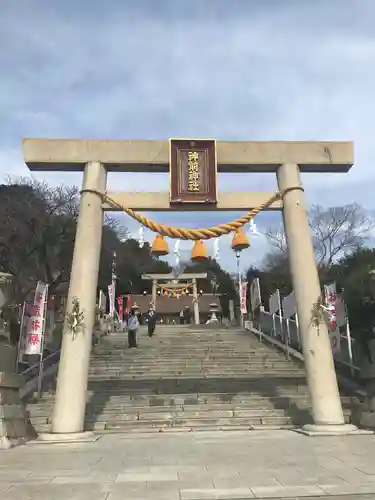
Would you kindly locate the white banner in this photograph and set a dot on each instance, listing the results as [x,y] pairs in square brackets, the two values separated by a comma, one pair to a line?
[243,297]
[289,306]
[255,298]
[111,300]
[274,302]
[341,317]
[36,321]
[333,330]
[102,301]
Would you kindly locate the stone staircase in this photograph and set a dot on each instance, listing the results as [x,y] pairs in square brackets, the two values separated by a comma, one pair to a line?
[187,378]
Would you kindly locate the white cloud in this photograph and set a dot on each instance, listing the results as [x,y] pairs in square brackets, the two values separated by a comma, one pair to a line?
[235,70]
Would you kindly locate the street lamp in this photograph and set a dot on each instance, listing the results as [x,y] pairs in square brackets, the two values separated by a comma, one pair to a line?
[240,242]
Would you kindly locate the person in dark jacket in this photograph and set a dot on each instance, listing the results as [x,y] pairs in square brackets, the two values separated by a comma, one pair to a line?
[187,315]
[151,321]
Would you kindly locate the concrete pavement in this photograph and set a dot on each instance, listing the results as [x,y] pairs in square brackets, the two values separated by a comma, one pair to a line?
[191,466]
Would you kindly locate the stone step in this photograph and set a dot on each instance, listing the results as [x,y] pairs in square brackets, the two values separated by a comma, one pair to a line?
[147,352]
[115,407]
[229,353]
[173,414]
[213,423]
[191,398]
[147,397]
[207,366]
[266,422]
[203,363]
[204,400]
[181,379]
[98,429]
[190,376]
[197,374]
[165,405]
[144,368]
[186,399]
[166,401]
[222,409]
[132,387]
[46,411]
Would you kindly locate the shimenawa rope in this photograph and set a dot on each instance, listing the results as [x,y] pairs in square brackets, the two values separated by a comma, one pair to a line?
[188,234]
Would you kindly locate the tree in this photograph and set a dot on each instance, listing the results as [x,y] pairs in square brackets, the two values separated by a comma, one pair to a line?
[37,233]
[272,276]
[132,262]
[352,274]
[335,231]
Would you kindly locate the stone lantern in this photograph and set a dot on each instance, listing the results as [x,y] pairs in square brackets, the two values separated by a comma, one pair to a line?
[15,427]
[7,352]
[214,309]
[365,358]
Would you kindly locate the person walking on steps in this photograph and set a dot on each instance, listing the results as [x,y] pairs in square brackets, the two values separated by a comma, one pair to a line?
[187,315]
[151,323]
[133,325]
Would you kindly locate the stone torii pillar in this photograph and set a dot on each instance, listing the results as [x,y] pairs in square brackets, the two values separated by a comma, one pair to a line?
[70,401]
[320,370]
[154,292]
[195,302]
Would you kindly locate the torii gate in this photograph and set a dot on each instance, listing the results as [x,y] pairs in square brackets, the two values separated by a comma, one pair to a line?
[189,191]
[155,277]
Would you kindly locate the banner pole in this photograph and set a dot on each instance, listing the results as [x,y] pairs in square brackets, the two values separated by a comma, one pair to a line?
[280,313]
[42,341]
[287,336]
[20,338]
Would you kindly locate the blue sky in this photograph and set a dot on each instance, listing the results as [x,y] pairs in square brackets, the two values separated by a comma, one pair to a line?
[234,70]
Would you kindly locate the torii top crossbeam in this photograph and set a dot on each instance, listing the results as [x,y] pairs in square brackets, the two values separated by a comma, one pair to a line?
[171,276]
[156,156]
[153,156]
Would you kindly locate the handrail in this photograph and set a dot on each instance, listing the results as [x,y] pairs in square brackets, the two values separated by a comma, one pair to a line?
[281,329]
[36,365]
[356,388]
[38,372]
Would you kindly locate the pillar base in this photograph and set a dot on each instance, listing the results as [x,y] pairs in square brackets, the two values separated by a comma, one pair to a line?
[7,443]
[74,437]
[313,430]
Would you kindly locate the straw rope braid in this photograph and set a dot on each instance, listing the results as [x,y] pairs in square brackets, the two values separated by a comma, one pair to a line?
[191,234]
[174,290]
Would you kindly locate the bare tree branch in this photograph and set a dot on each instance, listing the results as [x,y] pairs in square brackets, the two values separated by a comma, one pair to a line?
[117,227]
[276,238]
[335,231]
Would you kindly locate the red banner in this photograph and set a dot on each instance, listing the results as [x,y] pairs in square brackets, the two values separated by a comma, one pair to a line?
[128,304]
[120,303]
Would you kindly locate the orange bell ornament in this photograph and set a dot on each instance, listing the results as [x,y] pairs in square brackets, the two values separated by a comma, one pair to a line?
[159,246]
[199,251]
[240,241]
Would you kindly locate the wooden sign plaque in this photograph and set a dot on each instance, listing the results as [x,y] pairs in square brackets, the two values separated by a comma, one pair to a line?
[193,171]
